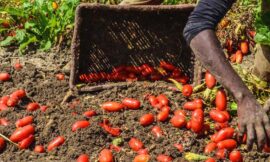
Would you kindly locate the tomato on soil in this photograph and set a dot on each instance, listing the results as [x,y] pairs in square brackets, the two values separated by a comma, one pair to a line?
[235,156]
[22,133]
[131,103]
[80,124]
[142,158]
[32,106]
[135,144]
[83,158]
[25,143]
[4,77]
[39,149]
[58,141]
[187,90]
[112,106]
[210,80]
[24,121]
[147,119]
[105,156]
[164,158]
[157,131]
[2,144]
[221,100]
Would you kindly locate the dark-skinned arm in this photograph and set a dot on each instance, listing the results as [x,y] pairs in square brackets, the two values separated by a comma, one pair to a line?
[200,34]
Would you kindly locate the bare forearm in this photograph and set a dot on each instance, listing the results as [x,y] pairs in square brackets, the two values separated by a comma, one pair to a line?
[211,55]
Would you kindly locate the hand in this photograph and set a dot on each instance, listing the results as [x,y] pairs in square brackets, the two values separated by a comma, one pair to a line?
[253,119]
[266,106]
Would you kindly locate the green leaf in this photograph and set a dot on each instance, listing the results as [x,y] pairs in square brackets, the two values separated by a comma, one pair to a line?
[195,157]
[29,25]
[46,46]
[117,141]
[233,106]
[27,43]
[177,84]
[20,35]
[7,41]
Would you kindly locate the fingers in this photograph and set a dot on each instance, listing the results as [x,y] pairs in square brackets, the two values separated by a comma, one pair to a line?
[266,106]
[242,130]
[250,136]
[266,126]
[260,135]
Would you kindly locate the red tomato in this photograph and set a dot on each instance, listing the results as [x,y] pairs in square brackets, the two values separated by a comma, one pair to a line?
[188,126]
[24,121]
[111,130]
[235,156]
[142,151]
[187,90]
[210,160]
[2,144]
[4,122]
[3,107]
[131,103]
[4,100]
[135,144]
[80,124]
[225,133]
[83,158]
[163,114]
[162,99]
[12,101]
[178,121]
[43,108]
[219,126]
[153,100]
[176,73]
[238,57]
[221,100]
[142,158]
[192,105]
[157,131]
[89,113]
[105,156]
[179,147]
[167,66]
[58,141]
[19,94]
[25,143]
[115,148]
[39,149]
[60,76]
[266,148]
[164,158]
[244,47]
[4,77]
[221,153]
[218,116]
[22,133]
[18,66]
[180,112]
[147,119]
[112,106]
[228,144]
[32,106]
[210,147]
[210,80]
[197,120]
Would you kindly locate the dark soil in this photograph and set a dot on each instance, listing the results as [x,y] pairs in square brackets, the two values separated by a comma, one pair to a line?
[38,78]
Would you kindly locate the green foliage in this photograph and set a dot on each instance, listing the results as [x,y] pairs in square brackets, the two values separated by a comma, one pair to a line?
[174,2]
[37,22]
[262,25]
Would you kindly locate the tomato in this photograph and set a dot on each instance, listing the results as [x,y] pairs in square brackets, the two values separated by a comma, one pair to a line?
[164,158]
[24,121]
[221,153]
[19,94]
[223,134]
[4,100]
[143,151]
[192,105]
[43,108]
[6,24]
[83,158]
[58,141]
[210,160]
[2,144]
[266,148]
[244,47]
[131,103]
[235,156]
[39,149]
[167,66]
[178,121]
[105,156]
[25,143]
[210,80]
[179,147]
[163,114]
[238,57]
[12,101]
[233,58]
[179,113]
[3,107]
[182,79]
[176,73]
[218,116]
[112,106]
[22,133]
[4,122]
[219,126]
[4,77]
[115,148]
[60,76]
[111,130]
[162,99]
[226,113]
[89,113]
[221,100]
[18,66]
[157,131]
[197,120]
[228,144]
[155,76]
[153,100]
[135,144]
[210,147]
[32,106]
[147,119]
[142,158]
[80,124]
[188,126]
[187,90]
[54,5]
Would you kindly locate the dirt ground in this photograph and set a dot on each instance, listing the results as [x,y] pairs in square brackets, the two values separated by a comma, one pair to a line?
[38,78]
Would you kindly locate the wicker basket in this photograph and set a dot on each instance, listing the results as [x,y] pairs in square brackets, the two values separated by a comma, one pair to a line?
[109,35]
